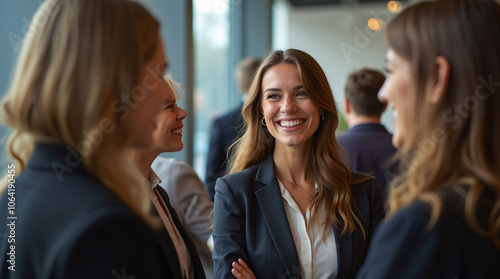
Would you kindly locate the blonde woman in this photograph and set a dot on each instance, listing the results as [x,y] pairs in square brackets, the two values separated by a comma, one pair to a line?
[87,87]
[291,207]
[443,81]
[167,137]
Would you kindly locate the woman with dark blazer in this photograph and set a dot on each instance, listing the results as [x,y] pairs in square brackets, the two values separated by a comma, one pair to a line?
[167,137]
[291,207]
[86,89]
[443,81]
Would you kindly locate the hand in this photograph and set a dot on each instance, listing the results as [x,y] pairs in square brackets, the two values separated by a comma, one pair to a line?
[241,270]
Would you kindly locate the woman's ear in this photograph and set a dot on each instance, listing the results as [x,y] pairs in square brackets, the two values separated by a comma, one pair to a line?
[441,78]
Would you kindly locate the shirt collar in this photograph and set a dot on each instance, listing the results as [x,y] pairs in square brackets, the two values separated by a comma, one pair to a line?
[153,179]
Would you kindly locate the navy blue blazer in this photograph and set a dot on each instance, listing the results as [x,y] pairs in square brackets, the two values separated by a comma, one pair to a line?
[68,225]
[403,248]
[250,222]
[225,131]
[169,247]
[369,147]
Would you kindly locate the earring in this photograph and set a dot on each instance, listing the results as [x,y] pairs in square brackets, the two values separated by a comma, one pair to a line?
[263,122]
[322,117]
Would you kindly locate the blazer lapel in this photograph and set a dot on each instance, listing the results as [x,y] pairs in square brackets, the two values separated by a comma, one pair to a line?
[275,217]
[344,253]
[167,247]
[195,258]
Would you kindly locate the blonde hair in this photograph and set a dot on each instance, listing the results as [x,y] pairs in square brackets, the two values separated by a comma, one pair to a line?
[80,62]
[446,148]
[332,174]
[176,87]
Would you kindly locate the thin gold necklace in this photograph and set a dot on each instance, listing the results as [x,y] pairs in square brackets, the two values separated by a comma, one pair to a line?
[300,187]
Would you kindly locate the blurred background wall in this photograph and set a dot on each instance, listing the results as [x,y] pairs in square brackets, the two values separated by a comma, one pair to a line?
[205,39]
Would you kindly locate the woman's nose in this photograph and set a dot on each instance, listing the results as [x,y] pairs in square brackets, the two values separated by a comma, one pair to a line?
[382,94]
[288,105]
[181,114]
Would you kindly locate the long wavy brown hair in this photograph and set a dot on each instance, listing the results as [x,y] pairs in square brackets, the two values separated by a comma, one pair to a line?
[80,59]
[455,143]
[326,165]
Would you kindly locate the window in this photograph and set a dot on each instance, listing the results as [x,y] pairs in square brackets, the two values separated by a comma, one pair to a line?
[211,63]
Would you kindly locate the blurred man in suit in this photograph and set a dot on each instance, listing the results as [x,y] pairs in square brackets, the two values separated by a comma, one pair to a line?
[226,129]
[368,143]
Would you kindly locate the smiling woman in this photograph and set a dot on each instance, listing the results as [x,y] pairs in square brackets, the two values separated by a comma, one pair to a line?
[291,205]
[444,210]
[399,87]
[292,118]
[167,137]
[167,133]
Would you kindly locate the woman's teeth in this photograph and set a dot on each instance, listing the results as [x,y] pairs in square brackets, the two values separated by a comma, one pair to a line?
[291,123]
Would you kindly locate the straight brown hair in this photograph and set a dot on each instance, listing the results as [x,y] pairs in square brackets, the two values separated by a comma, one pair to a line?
[450,148]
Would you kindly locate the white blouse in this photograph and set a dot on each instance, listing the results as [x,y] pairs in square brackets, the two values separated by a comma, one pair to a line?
[318,259]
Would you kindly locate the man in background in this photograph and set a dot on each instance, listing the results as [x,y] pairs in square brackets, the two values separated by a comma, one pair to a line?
[367,142]
[226,129]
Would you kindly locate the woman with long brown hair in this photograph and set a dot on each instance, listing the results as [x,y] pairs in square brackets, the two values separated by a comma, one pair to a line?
[291,207]
[444,210]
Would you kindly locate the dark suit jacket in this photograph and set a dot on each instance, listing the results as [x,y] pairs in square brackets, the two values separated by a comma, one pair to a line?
[403,248]
[250,222]
[168,245]
[370,147]
[225,131]
[70,226]
[187,195]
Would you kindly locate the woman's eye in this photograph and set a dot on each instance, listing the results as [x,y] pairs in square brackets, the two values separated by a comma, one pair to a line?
[301,94]
[272,96]
[170,106]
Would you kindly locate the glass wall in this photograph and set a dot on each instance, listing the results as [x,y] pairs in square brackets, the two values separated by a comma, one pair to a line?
[211,63]
[15,17]
[204,41]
